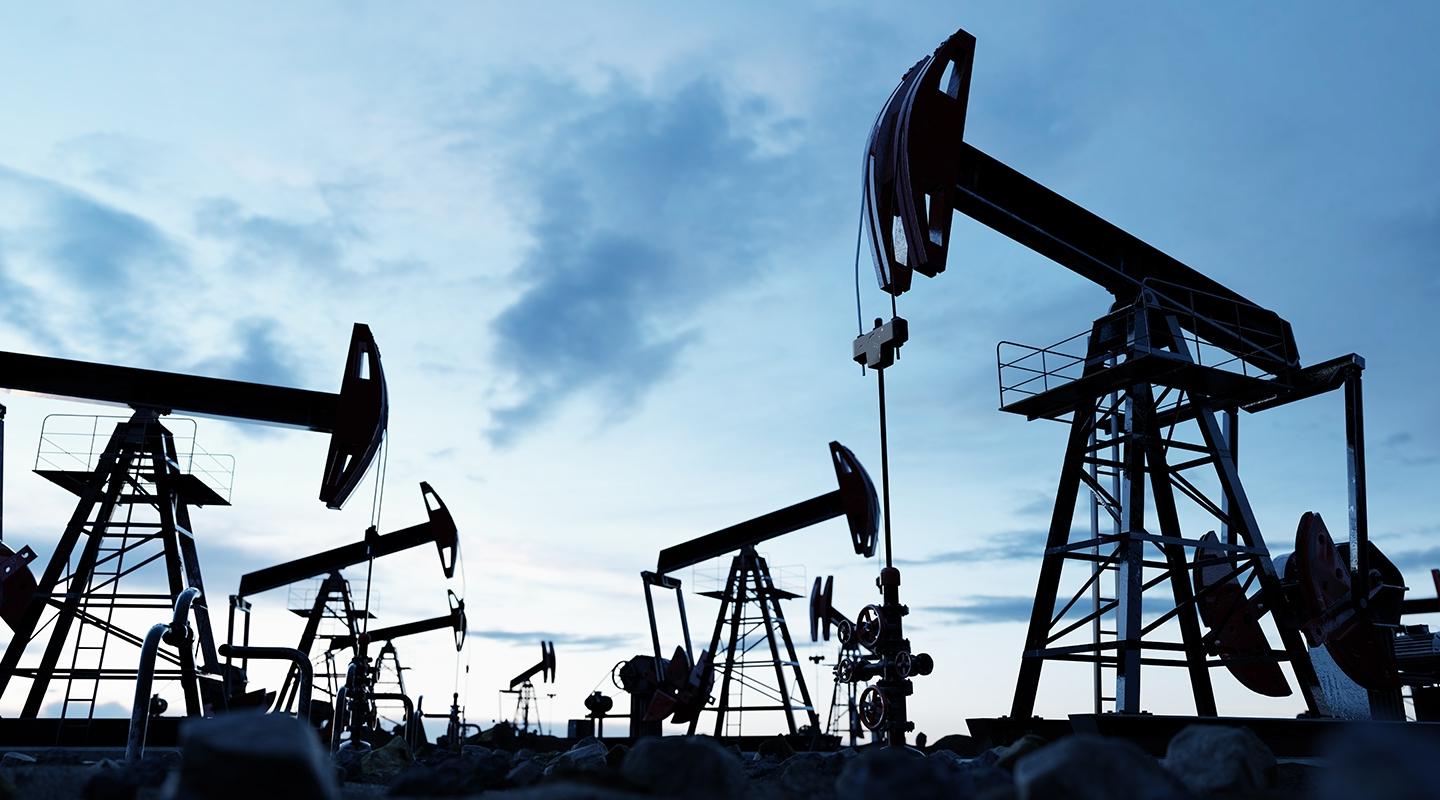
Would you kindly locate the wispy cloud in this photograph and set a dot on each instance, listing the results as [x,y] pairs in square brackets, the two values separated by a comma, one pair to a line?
[1008,546]
[86,262]
[577,641]
[259,356]
[645,206]
[988,608]
[317,244]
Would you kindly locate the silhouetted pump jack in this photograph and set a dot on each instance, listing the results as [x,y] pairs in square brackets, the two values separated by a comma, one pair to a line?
[524,689]
[679,687]
[355,709]
[1151,394]
[140,469]
[439,529]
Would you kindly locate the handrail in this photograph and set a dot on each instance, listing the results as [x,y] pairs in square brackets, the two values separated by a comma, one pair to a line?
[145,675]
[412,722]
[291,654]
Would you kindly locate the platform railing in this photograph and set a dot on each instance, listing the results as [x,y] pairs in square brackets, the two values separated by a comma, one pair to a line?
[75,443]
[1024,370]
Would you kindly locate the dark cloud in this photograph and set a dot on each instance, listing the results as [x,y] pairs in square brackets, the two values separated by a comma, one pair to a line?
[320,243]
[1404,447]
[988,608]
[1415,565]
[260,355]
[577,641]
[644,207]
[1008,546]
[105,257]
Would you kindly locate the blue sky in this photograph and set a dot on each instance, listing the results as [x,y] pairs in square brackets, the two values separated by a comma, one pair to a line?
[607,252]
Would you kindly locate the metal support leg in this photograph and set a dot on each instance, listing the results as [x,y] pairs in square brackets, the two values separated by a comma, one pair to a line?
[1031,660]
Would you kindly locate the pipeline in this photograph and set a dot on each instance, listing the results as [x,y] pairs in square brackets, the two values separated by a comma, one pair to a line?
[412,722]
[176,633]
[297,657]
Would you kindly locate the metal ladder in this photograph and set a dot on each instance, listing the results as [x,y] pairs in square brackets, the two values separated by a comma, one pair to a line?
[101,579]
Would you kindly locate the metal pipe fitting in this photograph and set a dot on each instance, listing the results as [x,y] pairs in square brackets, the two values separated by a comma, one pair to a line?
[297,657]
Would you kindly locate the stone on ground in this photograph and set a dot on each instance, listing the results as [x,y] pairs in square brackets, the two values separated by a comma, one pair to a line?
[586,755]
[253,755]
[811,775]
[684,766]
[1220,761]
[1391,760]
[1083,767]
[896,772]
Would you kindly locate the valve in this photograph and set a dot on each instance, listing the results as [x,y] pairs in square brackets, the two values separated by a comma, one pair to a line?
[873,708]
[869,625]
[904,664]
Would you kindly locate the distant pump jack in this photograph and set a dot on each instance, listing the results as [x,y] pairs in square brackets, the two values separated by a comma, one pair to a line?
[679,687]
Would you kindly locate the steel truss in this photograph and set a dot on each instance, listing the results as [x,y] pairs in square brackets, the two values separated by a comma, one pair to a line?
[133,511]
[750,615]
[1140,383]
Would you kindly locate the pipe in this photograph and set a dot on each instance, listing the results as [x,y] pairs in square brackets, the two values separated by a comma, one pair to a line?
[297,657]
[412,722]
[342,698]
[145,675]
[140,712]
[181,619]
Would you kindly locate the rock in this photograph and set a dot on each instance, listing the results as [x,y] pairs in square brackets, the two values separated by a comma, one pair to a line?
[1219,761]
[957,743]
[811,775]
[975,777]
[474,770]
[382,764]
[895,772]
[525,771]
[1005,757]
[587,755]
[253,755]
[1084,767]
[775,747]
[563,790]
[1390,760]
[616,756]
[124,779]
[1292,779]
[684,766]
[347,763]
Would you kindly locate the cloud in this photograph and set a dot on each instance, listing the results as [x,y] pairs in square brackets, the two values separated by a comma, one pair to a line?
[261,357]
[318,243]
[1008,546]
[643,208]
[88,262]
[983,609]
[577,641]
[102,710]
[1415,565]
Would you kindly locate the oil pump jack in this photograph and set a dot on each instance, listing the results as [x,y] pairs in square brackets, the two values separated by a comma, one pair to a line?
[138,475]
[439,529]
[1152,397]
[355,712]
[856,662]
[524,690]
[749,610]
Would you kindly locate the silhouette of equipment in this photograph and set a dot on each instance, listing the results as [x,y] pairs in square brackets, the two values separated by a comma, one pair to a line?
[141,469]
[524,689]
[679,687]
[1154,394]
[334,597]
